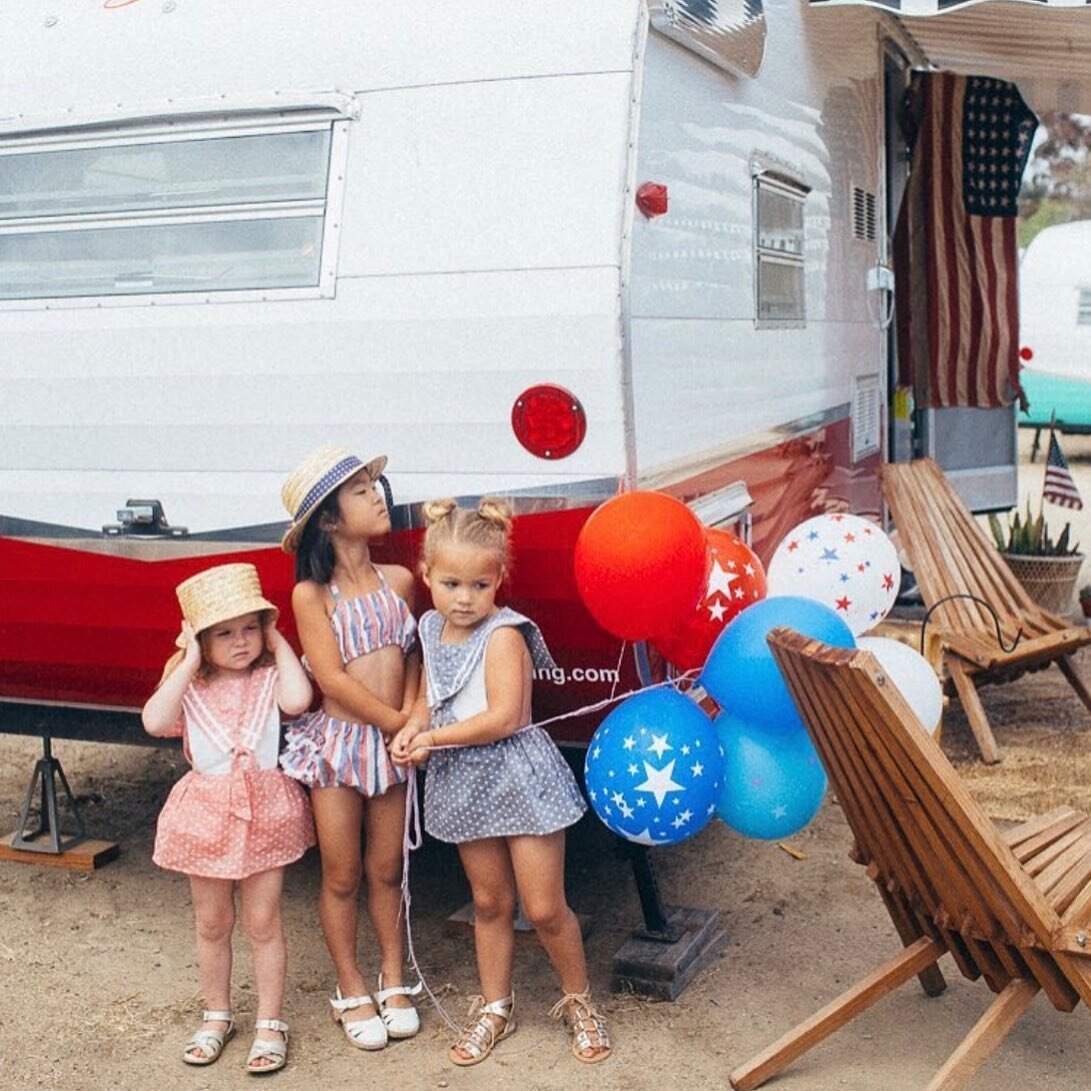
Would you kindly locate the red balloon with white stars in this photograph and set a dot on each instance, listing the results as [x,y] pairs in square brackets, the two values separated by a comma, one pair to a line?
[845,562]
[736,579]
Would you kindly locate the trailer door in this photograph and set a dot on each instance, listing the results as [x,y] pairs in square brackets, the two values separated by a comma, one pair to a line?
[977,448]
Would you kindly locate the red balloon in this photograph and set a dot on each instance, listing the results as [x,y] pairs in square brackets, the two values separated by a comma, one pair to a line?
[736,579]
[640,563]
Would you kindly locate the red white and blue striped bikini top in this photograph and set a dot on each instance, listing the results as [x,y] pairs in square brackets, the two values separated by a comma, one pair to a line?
[368,622]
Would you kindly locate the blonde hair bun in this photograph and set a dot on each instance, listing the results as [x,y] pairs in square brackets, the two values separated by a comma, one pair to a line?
[496,512]
[433,511]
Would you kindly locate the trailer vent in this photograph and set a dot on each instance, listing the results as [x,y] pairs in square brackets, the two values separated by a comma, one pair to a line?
[866,416]
[863,215]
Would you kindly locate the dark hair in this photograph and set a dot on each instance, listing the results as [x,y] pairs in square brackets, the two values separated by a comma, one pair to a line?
[314,559]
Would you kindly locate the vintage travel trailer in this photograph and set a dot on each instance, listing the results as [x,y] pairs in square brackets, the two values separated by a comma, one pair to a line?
[550,251]
[1055,327]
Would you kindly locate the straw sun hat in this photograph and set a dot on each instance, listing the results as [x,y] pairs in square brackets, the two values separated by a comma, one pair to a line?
[221,593]
[314,479]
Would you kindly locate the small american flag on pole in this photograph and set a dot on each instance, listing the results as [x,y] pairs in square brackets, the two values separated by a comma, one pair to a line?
[1060,486]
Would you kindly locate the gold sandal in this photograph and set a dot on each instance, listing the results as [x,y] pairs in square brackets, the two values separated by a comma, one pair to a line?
[587,1026]
[480,1034]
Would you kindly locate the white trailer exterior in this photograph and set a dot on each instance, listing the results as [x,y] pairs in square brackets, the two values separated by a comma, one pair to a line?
[232,232]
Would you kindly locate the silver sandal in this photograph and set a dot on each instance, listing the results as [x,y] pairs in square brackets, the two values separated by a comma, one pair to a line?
[268,1049]
[210,1042]
[480,1035]
[587,1026]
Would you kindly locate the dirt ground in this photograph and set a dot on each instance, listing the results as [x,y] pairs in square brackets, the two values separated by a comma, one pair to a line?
[98,986]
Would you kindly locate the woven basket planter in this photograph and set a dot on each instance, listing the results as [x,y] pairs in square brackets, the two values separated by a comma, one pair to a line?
[1050,581]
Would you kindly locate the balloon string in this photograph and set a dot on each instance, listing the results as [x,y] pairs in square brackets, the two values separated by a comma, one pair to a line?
[981,602]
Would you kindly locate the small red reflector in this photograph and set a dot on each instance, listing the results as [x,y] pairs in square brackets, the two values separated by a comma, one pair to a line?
[548,421]
[1026,353]
[652,199]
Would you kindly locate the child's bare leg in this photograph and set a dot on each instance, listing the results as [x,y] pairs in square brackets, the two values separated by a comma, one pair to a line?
[214,916]
[264,929]
[538,863]
[488,868]
[338,814]
[384,818]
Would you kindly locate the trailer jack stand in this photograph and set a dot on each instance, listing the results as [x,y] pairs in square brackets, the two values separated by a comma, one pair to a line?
[47,772]
[674,945]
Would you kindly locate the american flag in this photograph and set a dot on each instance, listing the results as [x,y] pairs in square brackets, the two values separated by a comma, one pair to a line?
[955,251]
[1060,486]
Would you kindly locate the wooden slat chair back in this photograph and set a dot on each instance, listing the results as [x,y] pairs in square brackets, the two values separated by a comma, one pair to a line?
[952,557]
[1011,910]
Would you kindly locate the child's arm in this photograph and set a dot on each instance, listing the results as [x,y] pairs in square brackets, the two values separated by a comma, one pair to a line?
[163,708]
[413,685]
[293,688]
[329,672]
[506,663]
[418,721]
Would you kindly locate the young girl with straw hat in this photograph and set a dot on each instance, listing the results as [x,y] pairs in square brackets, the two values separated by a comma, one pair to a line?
[356,626]
[234,817]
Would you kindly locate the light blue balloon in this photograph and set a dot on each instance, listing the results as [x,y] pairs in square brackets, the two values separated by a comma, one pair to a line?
[653,768]
[741,674]
[773,782]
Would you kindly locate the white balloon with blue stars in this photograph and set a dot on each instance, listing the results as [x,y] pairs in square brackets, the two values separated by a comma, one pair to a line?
[654,768]
[845,562]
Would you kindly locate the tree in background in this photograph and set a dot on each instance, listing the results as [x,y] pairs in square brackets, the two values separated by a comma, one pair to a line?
[1057,182]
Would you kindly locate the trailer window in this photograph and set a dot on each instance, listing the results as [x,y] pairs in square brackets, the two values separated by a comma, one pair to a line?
[166,213]
[778,250]
[1083,312]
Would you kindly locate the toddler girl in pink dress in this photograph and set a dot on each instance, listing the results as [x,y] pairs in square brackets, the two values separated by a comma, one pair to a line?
[234,817]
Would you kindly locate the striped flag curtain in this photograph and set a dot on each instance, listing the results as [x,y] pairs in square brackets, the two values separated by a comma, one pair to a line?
[955,247]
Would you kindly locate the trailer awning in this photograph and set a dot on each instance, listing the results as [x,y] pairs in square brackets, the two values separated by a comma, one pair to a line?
[1043,45]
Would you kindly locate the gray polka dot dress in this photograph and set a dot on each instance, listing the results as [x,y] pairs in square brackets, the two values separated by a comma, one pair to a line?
[514,786]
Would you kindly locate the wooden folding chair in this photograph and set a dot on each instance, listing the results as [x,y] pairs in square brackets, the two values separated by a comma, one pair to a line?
[953,558]
[1013,910]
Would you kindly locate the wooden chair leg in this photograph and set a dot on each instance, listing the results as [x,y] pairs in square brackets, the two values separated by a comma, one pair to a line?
[913,960]
[1074,679]
[931,977]
[989,1031]
[974,709]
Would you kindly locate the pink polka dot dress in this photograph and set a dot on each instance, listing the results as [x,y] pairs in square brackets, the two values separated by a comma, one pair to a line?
[234,814]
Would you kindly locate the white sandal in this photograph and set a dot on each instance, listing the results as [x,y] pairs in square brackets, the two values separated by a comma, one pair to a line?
[400,1022]
[268,1049]
[362,1033]
[210,1042]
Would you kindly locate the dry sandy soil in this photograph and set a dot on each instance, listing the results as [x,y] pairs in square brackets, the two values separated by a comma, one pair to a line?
[98,985]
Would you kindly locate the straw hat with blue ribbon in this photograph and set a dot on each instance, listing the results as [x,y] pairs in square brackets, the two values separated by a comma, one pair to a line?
[314,479]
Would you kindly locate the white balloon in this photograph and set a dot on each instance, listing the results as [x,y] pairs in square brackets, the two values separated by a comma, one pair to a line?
[843,561]
[912,674]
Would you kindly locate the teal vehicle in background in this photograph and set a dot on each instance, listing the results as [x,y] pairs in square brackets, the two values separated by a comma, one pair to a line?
[1055,330]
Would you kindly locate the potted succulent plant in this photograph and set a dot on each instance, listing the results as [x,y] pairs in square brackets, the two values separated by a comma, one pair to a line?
[1049,569]
[1085,599]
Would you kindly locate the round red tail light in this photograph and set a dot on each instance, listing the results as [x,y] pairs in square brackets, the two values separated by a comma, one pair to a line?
[548,421]
[1026,353]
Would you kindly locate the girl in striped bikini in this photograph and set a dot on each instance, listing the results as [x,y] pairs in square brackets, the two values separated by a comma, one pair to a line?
[356,626]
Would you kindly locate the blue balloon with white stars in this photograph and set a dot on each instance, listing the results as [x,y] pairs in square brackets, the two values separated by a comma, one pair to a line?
[741,674]
[773,782]
[654,767]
